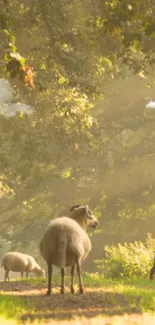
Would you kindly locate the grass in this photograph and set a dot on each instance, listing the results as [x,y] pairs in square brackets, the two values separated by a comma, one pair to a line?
[105,297]
[11,307]
[132,289]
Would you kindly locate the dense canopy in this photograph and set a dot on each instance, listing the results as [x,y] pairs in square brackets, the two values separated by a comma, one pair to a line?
[86,68]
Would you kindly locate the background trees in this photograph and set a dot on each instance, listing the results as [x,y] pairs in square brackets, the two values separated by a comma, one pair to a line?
[89,138]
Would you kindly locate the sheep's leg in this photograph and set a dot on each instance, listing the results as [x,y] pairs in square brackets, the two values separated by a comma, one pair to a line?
[72,278]
[21,273]
[50,269]
[6,276]
[81,290]
[62,280]
[27,274]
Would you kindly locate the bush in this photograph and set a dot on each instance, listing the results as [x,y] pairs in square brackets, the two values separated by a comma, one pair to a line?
[131,260]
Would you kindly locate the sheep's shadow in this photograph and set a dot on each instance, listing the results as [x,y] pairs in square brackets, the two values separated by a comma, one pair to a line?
[91,304]
[95,301]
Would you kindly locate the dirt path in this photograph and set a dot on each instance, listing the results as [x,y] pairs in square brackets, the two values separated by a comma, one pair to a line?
[96,307]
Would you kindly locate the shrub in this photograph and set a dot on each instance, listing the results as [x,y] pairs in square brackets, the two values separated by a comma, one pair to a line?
[131,260]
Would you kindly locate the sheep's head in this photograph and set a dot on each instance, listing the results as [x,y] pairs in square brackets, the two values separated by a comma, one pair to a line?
[84,216]
[92,221]
[41,273]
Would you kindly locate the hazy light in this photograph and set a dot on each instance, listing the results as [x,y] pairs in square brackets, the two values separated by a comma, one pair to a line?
[151,105]
[7,108]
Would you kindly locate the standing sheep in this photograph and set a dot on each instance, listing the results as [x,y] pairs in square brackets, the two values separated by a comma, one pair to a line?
[19,262]
[66,243]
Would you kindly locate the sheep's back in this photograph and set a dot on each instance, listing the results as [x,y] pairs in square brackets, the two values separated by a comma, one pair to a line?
[15,261]
[64,240]
[32,264]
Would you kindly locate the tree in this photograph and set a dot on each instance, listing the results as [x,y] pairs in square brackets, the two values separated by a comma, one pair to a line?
[61,154]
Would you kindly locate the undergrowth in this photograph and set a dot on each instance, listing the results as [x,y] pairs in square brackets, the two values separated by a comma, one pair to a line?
[130,260]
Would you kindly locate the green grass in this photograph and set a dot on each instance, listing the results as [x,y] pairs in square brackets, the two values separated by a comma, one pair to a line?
[138,293]
[132,289]
[11,306]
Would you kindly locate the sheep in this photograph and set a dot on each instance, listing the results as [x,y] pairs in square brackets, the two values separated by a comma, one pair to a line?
[66,243]
[19,262]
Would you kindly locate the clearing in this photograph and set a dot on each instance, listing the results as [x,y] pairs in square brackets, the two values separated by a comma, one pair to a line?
[105,302]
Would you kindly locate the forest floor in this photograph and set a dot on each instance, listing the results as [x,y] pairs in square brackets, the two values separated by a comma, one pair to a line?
[105,302]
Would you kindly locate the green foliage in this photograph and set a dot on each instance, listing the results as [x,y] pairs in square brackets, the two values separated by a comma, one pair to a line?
[69,149]
[129,260]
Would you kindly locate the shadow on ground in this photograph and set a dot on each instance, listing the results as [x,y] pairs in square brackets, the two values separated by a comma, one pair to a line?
[95,302]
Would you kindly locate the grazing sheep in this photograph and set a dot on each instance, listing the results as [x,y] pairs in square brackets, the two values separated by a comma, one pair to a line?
[66,243]
[19,262]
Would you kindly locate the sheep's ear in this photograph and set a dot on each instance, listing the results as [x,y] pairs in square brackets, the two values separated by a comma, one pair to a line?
[74,207]
[88,213]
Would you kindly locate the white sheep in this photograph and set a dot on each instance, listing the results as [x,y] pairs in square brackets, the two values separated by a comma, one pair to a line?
[19,262]
[66,243]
